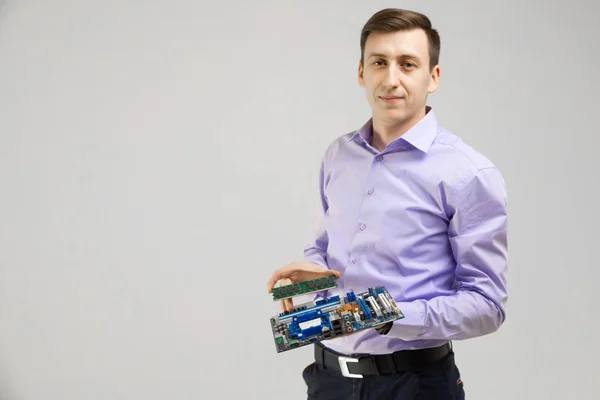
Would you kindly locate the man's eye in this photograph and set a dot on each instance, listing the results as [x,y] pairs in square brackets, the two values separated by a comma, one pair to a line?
[378,63]
[409,65]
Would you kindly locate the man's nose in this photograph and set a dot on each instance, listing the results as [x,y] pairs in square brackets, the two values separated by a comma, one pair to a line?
[392,78]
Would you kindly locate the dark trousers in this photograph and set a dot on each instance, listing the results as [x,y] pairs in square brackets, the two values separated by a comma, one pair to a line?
[437,381]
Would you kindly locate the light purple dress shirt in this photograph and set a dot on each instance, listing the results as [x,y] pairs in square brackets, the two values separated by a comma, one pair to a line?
[426,218]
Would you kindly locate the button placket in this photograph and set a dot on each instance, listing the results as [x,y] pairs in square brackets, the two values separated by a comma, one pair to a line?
[363,226]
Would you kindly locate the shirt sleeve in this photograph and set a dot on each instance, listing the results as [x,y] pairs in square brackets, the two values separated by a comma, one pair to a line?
[477,233]
[316,250]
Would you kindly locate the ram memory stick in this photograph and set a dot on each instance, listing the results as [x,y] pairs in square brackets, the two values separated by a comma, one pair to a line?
[300,288]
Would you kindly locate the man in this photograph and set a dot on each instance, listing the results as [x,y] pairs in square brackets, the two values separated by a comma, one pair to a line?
[410,206]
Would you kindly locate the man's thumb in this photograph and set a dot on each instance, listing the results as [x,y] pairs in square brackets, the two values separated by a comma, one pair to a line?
[328,272]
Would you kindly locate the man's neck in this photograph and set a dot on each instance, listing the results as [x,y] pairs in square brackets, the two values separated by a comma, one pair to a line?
[384,134]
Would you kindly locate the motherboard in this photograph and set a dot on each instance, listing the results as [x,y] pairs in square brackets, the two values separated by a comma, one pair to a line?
[333,317]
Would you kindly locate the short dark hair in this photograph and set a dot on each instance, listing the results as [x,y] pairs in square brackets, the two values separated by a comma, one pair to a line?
[395,19]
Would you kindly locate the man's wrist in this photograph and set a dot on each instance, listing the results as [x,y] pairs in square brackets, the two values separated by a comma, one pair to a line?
[384,329]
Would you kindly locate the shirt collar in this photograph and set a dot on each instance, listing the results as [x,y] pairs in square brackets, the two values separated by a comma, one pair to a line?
[421,135]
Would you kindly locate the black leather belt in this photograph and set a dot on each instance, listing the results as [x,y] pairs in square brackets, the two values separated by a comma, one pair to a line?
[378,364]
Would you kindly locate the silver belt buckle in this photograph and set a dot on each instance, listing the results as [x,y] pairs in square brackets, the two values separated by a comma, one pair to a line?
[344,366]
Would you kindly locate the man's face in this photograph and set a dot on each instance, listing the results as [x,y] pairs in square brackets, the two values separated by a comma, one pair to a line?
[396,76]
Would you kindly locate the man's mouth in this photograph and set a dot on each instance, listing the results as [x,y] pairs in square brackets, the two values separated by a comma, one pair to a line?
[391,99]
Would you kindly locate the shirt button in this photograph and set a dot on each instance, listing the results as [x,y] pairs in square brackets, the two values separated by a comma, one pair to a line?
[379,158]
[370,192]
[355,261]
[363,227]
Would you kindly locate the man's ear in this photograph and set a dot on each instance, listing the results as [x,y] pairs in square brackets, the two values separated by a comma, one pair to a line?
[361,71]
[435,79]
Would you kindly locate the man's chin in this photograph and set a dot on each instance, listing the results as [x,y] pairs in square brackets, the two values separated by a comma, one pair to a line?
[393,116]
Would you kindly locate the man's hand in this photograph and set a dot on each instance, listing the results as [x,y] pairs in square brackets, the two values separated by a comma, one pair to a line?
[383,329]
[297,272]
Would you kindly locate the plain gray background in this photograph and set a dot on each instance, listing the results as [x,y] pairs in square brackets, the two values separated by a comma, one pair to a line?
[159,159]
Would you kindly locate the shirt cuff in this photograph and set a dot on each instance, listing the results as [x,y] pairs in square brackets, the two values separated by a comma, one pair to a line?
[412,326]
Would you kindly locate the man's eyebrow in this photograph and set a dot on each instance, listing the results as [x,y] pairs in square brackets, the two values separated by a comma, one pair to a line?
[402,56]
[380,55]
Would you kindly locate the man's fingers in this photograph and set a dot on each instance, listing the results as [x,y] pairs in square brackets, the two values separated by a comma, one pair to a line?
[289,304]
[332,272]
[286,304]
[273,280]
[280,274]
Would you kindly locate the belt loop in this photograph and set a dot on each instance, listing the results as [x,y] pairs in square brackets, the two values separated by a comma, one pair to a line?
[391,363]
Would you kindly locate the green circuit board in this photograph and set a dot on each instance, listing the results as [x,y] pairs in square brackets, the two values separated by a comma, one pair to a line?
[300,288]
